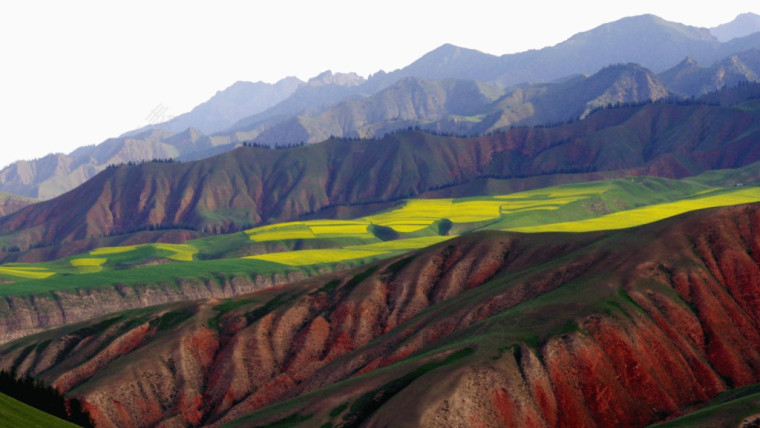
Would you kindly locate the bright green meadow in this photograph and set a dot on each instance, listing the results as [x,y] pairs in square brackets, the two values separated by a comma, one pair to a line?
[412,224]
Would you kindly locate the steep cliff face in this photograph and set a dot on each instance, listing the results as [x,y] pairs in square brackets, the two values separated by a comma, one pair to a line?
[497,329]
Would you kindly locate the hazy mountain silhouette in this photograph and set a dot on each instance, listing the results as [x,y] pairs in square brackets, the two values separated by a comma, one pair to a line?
[743,25]
[688,78]
[226,107]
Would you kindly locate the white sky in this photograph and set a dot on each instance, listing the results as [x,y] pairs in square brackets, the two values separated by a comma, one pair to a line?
[74,73]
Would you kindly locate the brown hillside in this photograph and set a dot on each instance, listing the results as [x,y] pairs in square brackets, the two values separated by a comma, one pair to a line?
[12,203]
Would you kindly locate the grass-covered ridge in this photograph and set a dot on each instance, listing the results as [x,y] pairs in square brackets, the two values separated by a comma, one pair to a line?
[14,413]
[651,213]
[604,205]
[412,224]
[738,407]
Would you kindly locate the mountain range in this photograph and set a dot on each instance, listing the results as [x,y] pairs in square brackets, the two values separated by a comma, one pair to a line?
[420,95]
[690,79]
[473,240]
[55,174]
[224,109]
[255,185]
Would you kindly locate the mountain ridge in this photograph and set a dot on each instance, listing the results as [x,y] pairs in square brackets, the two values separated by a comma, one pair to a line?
[688,78]
[587,52]
[227,106]
[743,25]
[255,185]
[464,107]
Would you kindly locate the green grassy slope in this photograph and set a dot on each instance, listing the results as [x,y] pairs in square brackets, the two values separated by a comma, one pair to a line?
[413,224]
[168,274]
[730,409]
[15,414]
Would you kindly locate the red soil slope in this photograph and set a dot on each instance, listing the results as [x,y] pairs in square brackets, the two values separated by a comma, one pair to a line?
[617,329]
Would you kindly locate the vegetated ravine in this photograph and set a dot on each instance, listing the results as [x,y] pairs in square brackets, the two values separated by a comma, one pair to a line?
[609,329]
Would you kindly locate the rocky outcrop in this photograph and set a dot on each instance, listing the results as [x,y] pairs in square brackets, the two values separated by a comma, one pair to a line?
[23,315]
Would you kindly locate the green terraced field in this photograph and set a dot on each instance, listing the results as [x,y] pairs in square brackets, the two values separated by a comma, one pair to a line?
[168,274]
[414,224]
[649,214]
[22,271]
[101,259]
[310,230]
[178,252]
[352,252]
[314,257]
[418,214]
[88,265]
[612,204]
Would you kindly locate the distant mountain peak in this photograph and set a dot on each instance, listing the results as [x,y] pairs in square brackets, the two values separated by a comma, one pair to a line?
[689,64]
[447,48]
[743,25]
[645,24]
[630,66]
[688,61]
[339,79]
[448,51]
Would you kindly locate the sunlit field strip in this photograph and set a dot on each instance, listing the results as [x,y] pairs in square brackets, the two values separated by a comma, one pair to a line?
[420,211]
[285,231]
[402,244]
[26,273]
[105,251]
[354,228]
[88,265]
[182,252]
[418,214]
[648,214]
[407,225]
[578,191]
[311,257]
[310,230]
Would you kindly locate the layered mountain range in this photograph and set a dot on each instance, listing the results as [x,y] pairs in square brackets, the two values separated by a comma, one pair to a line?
[255,185]
[213,271]
[449,90]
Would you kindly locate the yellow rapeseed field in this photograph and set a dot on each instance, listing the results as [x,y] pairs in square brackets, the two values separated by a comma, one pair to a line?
[648,214]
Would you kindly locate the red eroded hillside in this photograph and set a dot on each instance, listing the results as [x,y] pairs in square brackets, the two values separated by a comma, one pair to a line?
[493,329]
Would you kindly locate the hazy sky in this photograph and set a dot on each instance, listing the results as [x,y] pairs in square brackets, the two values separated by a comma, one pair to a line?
[74,73]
